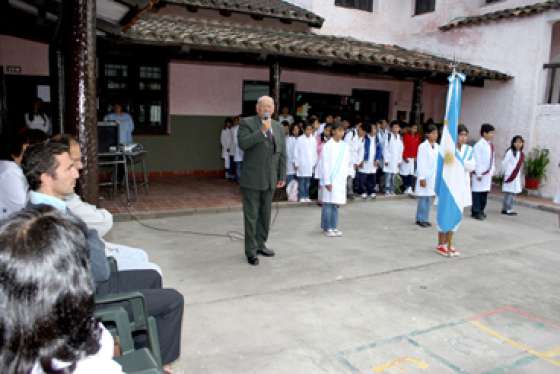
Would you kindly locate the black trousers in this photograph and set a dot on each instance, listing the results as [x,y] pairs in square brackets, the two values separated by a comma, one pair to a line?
[366,183]
[479,200]
[408,181]
[164,304]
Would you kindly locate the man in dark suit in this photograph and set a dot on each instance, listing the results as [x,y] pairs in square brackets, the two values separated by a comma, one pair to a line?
[263,170]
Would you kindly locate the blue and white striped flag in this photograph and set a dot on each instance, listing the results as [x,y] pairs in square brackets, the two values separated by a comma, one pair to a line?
[451,180]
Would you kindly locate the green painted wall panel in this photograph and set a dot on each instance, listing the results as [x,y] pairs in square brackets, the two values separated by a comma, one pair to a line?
[194,144]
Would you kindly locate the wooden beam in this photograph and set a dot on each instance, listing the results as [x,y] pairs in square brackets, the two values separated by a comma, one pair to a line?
[274,84]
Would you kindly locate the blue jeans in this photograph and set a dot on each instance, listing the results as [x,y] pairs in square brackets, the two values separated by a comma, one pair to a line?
[238,170]
[390,182]
[303,187]
[423,209]
[329,216]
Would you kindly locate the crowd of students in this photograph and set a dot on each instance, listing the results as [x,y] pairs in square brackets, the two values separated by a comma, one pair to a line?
[37,181]
[336,160]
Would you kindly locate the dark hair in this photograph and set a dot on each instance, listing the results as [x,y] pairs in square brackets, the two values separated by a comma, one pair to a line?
[285,123]
[12,146]
[431,128]
[36,136]
[462,128]
[486,128]
[366,127]
[228,120]
[47,293]
[394,122]
[41,112]
[312,119]
[336,126]
[39,159]
[307,124]
[292,127]
[512,147]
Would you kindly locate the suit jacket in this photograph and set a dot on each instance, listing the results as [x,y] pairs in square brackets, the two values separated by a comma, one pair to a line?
[264,162]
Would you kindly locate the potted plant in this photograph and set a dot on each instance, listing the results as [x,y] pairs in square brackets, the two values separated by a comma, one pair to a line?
[535,167]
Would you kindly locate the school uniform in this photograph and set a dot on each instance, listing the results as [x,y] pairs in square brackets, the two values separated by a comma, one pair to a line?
[427,171]
[392,157]
[305,159]
[290,152]
[335,162]
[484,158]
[512,165]
[225,141]
[237,152]
[465,153]
[369,153]
[38,122]
[353,140]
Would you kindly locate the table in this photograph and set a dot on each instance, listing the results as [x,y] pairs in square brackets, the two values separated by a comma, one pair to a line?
[128,160]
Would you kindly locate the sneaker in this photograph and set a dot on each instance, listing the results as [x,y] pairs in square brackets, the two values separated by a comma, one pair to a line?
[442,250]
[453,252]
[330,233]
[509,212]
[373,196]
[364,196]
[302,200]
[408,191]
[337,232]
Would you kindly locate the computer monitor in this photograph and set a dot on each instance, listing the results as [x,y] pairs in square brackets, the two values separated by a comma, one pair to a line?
[107,136]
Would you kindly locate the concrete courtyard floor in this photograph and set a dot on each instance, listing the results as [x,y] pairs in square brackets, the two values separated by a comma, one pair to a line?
[378,300]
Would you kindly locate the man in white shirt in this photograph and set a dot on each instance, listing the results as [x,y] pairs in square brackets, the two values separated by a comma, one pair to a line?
[13,185]
[484,156]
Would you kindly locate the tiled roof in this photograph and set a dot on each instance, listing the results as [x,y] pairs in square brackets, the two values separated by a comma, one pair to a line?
[214,35]
[522,11]
[267,8]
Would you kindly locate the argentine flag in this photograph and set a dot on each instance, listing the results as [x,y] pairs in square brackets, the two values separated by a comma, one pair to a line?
[450,179]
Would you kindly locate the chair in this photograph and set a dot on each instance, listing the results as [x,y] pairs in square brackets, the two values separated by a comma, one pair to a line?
[139,361]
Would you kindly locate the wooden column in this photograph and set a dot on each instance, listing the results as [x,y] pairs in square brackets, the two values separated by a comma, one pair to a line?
[80,87]
[416,110]
[274,85]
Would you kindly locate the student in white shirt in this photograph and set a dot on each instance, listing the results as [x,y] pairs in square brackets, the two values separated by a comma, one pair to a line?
[13,185]
[392,157]
[465,154]
[484,156]
[48,323]
[291,141]
[37,118]
[512,166]
[426,176]
[335,162]
[285,115]
[369,157]
[225,141]
[351,138]
[236,149]
[305,160]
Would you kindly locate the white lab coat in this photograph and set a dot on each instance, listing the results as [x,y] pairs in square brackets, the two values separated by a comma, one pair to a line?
[335,162]
[290,151]
[236,151]
[225,141]
[466,154]
[369,166]
[508,166]
[287,117]
[427,168]
[305,155]
[484,160]
[392,154]
[39,123]
[353,140]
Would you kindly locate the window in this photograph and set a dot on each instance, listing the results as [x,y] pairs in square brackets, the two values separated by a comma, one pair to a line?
[424,6]
[366,5]
[252,90]
[141,86]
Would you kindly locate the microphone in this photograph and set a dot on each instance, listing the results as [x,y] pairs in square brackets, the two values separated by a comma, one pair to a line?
[266,116]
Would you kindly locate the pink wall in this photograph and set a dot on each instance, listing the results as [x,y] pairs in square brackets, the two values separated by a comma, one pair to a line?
[33,57]
[197,89]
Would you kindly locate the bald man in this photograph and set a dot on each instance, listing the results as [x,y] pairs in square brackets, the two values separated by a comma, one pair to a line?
[262,172]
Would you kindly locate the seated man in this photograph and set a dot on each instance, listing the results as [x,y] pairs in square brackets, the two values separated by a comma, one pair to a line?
[13,185]
[37,301]
[101,220]
[51,175]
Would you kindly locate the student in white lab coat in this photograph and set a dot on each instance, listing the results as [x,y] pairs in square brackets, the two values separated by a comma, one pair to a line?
[335,162]
[392,157]
[426,176]
[484,157]
[512,166]
[305,160]
[236,149]
[369,157]
[465,154]
[291,141]
[37,118]
[351,138]
[225,141]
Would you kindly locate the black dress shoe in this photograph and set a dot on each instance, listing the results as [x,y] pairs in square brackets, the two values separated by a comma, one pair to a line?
[266,252]
[422,224]
[253,261]
[477,216]
[428,224]
[483,215]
